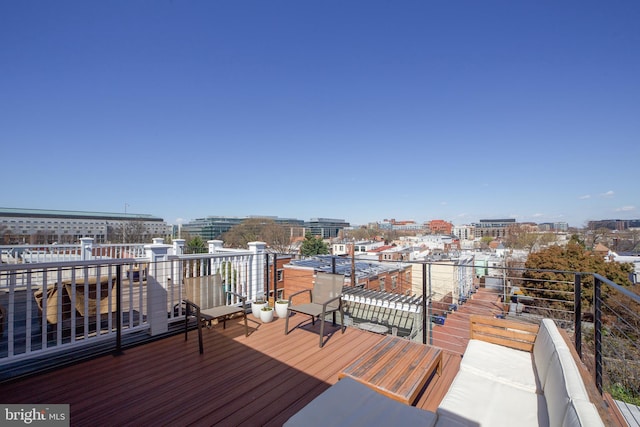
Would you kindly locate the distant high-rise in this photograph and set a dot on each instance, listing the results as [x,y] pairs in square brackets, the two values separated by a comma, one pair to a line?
[213,227]
[327,228]
[493,227]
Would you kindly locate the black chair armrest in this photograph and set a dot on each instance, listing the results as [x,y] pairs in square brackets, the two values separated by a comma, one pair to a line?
[188,304]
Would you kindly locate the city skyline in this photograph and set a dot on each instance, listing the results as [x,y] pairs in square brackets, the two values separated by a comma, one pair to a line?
[358,111]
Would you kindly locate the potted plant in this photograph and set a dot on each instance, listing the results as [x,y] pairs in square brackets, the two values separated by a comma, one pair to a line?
[266,314]
[282,306]
[256,306]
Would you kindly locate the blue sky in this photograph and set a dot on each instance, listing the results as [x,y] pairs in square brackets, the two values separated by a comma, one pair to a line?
[360,110]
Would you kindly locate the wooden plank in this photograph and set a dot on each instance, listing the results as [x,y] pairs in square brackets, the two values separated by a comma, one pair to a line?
[509,333]
[396,368]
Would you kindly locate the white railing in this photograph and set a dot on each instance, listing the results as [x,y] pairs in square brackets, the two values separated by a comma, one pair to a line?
[31,254]
[47,307]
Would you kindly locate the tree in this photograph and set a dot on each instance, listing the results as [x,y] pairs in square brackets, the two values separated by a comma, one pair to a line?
[313,245]
[196,245]
[129,232]
[551,273]
[521,236]
[277,237]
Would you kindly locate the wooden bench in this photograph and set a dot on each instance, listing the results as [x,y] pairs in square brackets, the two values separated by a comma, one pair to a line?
[514,373]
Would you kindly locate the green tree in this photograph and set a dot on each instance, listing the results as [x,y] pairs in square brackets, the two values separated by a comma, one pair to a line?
[313,245]
[196,245]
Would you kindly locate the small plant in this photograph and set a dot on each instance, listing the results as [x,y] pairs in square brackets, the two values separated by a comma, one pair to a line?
[267,308]
[283,301]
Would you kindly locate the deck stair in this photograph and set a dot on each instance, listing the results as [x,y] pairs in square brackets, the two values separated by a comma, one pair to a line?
[453,335]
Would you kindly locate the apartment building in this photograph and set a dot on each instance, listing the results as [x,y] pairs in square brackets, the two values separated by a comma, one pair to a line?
[213,227]
[41,226]
[495,228]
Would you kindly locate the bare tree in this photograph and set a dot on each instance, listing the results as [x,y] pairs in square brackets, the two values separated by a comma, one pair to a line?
[129,232]
[277,237]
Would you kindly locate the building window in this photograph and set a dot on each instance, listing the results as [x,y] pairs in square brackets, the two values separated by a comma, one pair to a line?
[394,282]
[382,288]
[280,275]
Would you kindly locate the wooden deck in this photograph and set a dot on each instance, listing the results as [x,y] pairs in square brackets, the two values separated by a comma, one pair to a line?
[262,379]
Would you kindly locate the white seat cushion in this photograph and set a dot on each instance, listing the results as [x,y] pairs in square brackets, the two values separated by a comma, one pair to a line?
[582,413]
[545,345]
[503,364]
[474,400]
[350,403]
[562,384]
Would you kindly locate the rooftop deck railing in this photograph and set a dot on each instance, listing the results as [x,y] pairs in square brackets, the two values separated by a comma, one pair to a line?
[601,317]
[71,304]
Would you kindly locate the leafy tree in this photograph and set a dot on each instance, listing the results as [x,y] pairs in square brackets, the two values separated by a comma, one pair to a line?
[313,245]
[196,245]
[575,238]
[551,272]
[485,240]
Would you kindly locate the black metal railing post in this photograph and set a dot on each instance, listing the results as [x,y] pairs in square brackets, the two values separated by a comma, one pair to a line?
[597,324]
[266,284]
[428,309]
[275,279]
[577,296]
[119,306]
[425,313]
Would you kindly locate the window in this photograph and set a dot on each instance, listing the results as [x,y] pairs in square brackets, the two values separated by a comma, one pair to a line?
[280,275]
[394,282]
[382,287]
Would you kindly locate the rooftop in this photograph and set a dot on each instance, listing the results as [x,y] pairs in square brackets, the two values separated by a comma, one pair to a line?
[262,379]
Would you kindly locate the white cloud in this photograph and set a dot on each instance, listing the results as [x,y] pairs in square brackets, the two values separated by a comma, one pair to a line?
[626,209]
[538,215]
[586,196]
[609,193]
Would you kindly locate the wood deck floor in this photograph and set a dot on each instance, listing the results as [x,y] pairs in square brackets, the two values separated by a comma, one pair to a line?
[258,380]
[262,379]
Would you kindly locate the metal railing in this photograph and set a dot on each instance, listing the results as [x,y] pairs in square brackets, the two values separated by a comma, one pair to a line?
[50,307]
[30,254]
[65,305]
[601,316]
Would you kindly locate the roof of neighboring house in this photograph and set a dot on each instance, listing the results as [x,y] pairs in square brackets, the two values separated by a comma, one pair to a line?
[381,248]
[601,248]
[324,263]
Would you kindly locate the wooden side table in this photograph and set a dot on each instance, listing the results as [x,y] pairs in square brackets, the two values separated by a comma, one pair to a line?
[396,368]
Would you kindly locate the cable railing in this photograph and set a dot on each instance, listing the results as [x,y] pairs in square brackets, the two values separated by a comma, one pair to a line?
[46,307]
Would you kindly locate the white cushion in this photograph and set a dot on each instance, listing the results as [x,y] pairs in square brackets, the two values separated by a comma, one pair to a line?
[582,413]
[544,347]
[562,384]
[503,364]
[350,403]
[475,400]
